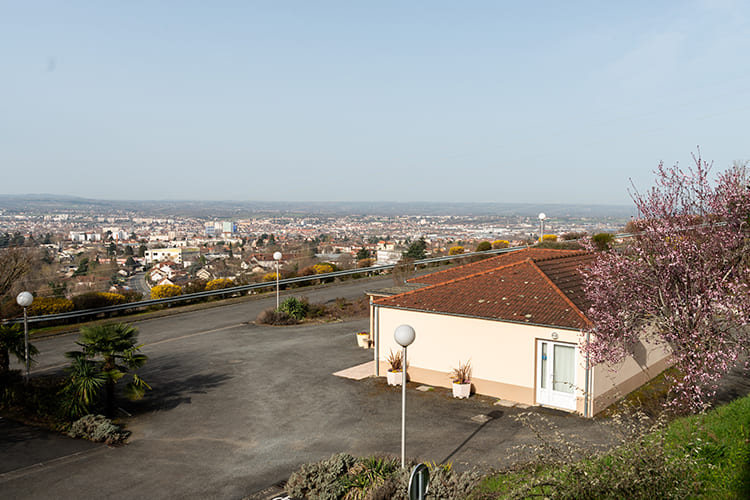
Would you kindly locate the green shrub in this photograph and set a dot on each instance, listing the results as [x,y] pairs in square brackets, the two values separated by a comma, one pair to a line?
[321,480]
[602,240]
[294,307]
[95,300]
[374,478]
[500,244]
[274,317]
[97,428]
[131,295]
[194,286]
[484,246]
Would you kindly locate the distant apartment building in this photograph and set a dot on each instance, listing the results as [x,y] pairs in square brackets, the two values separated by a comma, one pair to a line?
[178,255]
[387,257]
[224,228]
[117,233]
[84,236]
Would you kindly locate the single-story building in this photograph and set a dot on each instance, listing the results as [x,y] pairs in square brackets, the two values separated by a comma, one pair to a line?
[520,319]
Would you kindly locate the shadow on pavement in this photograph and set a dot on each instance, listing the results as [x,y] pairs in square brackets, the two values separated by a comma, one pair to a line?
[23,445]
[170,395]
[493,415]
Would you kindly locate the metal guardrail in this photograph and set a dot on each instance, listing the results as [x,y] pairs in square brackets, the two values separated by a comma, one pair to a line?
[246,288]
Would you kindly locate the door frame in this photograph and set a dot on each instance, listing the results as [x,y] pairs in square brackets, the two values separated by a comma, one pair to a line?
[547,396]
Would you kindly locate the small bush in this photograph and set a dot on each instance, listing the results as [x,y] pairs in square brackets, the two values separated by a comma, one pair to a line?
[164,291]
[365,263]
[484,246]
[95,300]
[294,307]
[274,317]
[194,286]
[602,240]
[323,267]
[449,484]
[549,237]
[500,244]
[374,478]
[270,276]
[321,480]
[457,250]
[573,235]
[97,428]
[219,284]
[49,305]
[131,295]
[307,271]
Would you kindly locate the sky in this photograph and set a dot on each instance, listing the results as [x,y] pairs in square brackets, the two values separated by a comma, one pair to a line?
[482,101]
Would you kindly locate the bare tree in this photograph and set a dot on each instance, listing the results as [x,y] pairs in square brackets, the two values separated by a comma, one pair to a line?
[15,262]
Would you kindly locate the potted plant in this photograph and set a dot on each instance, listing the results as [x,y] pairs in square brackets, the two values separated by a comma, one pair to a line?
[396,371]
[461,380]
[363,340]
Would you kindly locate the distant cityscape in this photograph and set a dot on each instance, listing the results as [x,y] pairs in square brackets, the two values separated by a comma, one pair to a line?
[102,246]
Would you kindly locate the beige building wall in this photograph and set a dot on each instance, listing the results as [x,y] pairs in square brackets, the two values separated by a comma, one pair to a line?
[612,382]
[503,355]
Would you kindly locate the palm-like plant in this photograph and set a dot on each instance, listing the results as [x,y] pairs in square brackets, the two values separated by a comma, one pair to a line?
[108,353]
[12,342]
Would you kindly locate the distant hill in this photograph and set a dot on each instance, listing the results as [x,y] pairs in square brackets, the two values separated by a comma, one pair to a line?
[48,203]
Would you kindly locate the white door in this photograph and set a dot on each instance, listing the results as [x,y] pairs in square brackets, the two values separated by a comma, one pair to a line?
[556,374]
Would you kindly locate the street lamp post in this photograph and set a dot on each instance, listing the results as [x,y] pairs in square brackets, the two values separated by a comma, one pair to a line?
[24,299]
[542,216]
[277,258]
[404,336]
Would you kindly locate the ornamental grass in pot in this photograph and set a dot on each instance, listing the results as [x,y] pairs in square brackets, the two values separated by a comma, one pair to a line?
[461,380]
[396,369]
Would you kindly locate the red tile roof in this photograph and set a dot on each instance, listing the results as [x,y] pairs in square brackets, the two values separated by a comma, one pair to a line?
[502,259]
[543,289]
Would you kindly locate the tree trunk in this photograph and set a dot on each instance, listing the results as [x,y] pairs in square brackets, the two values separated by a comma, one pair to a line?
[109,387]
[4,361]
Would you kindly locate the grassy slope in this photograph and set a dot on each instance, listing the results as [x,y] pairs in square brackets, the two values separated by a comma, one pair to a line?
[715,447]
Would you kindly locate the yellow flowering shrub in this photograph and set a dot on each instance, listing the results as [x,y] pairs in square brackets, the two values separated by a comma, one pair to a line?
[322,268]
[164,291]
[219,283]
[49,305]
[269,276]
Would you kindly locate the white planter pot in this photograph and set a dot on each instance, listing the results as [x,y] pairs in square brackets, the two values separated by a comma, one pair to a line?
[363,341]
[394,378]
[462,391]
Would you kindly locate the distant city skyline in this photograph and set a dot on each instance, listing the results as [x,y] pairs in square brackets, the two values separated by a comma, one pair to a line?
[390,101]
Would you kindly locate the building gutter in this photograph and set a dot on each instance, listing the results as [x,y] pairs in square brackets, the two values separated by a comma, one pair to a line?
[376,337]
[487,318]
[586,412]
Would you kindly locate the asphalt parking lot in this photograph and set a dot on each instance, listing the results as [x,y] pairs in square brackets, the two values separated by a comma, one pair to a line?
[236,407]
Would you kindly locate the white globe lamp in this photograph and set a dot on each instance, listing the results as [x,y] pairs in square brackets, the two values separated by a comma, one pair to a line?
[24,299]
[404,336]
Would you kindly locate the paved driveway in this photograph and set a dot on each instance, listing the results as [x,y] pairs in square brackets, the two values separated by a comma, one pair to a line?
[236,407]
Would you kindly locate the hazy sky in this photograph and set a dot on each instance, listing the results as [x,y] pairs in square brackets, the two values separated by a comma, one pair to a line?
[380,100]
